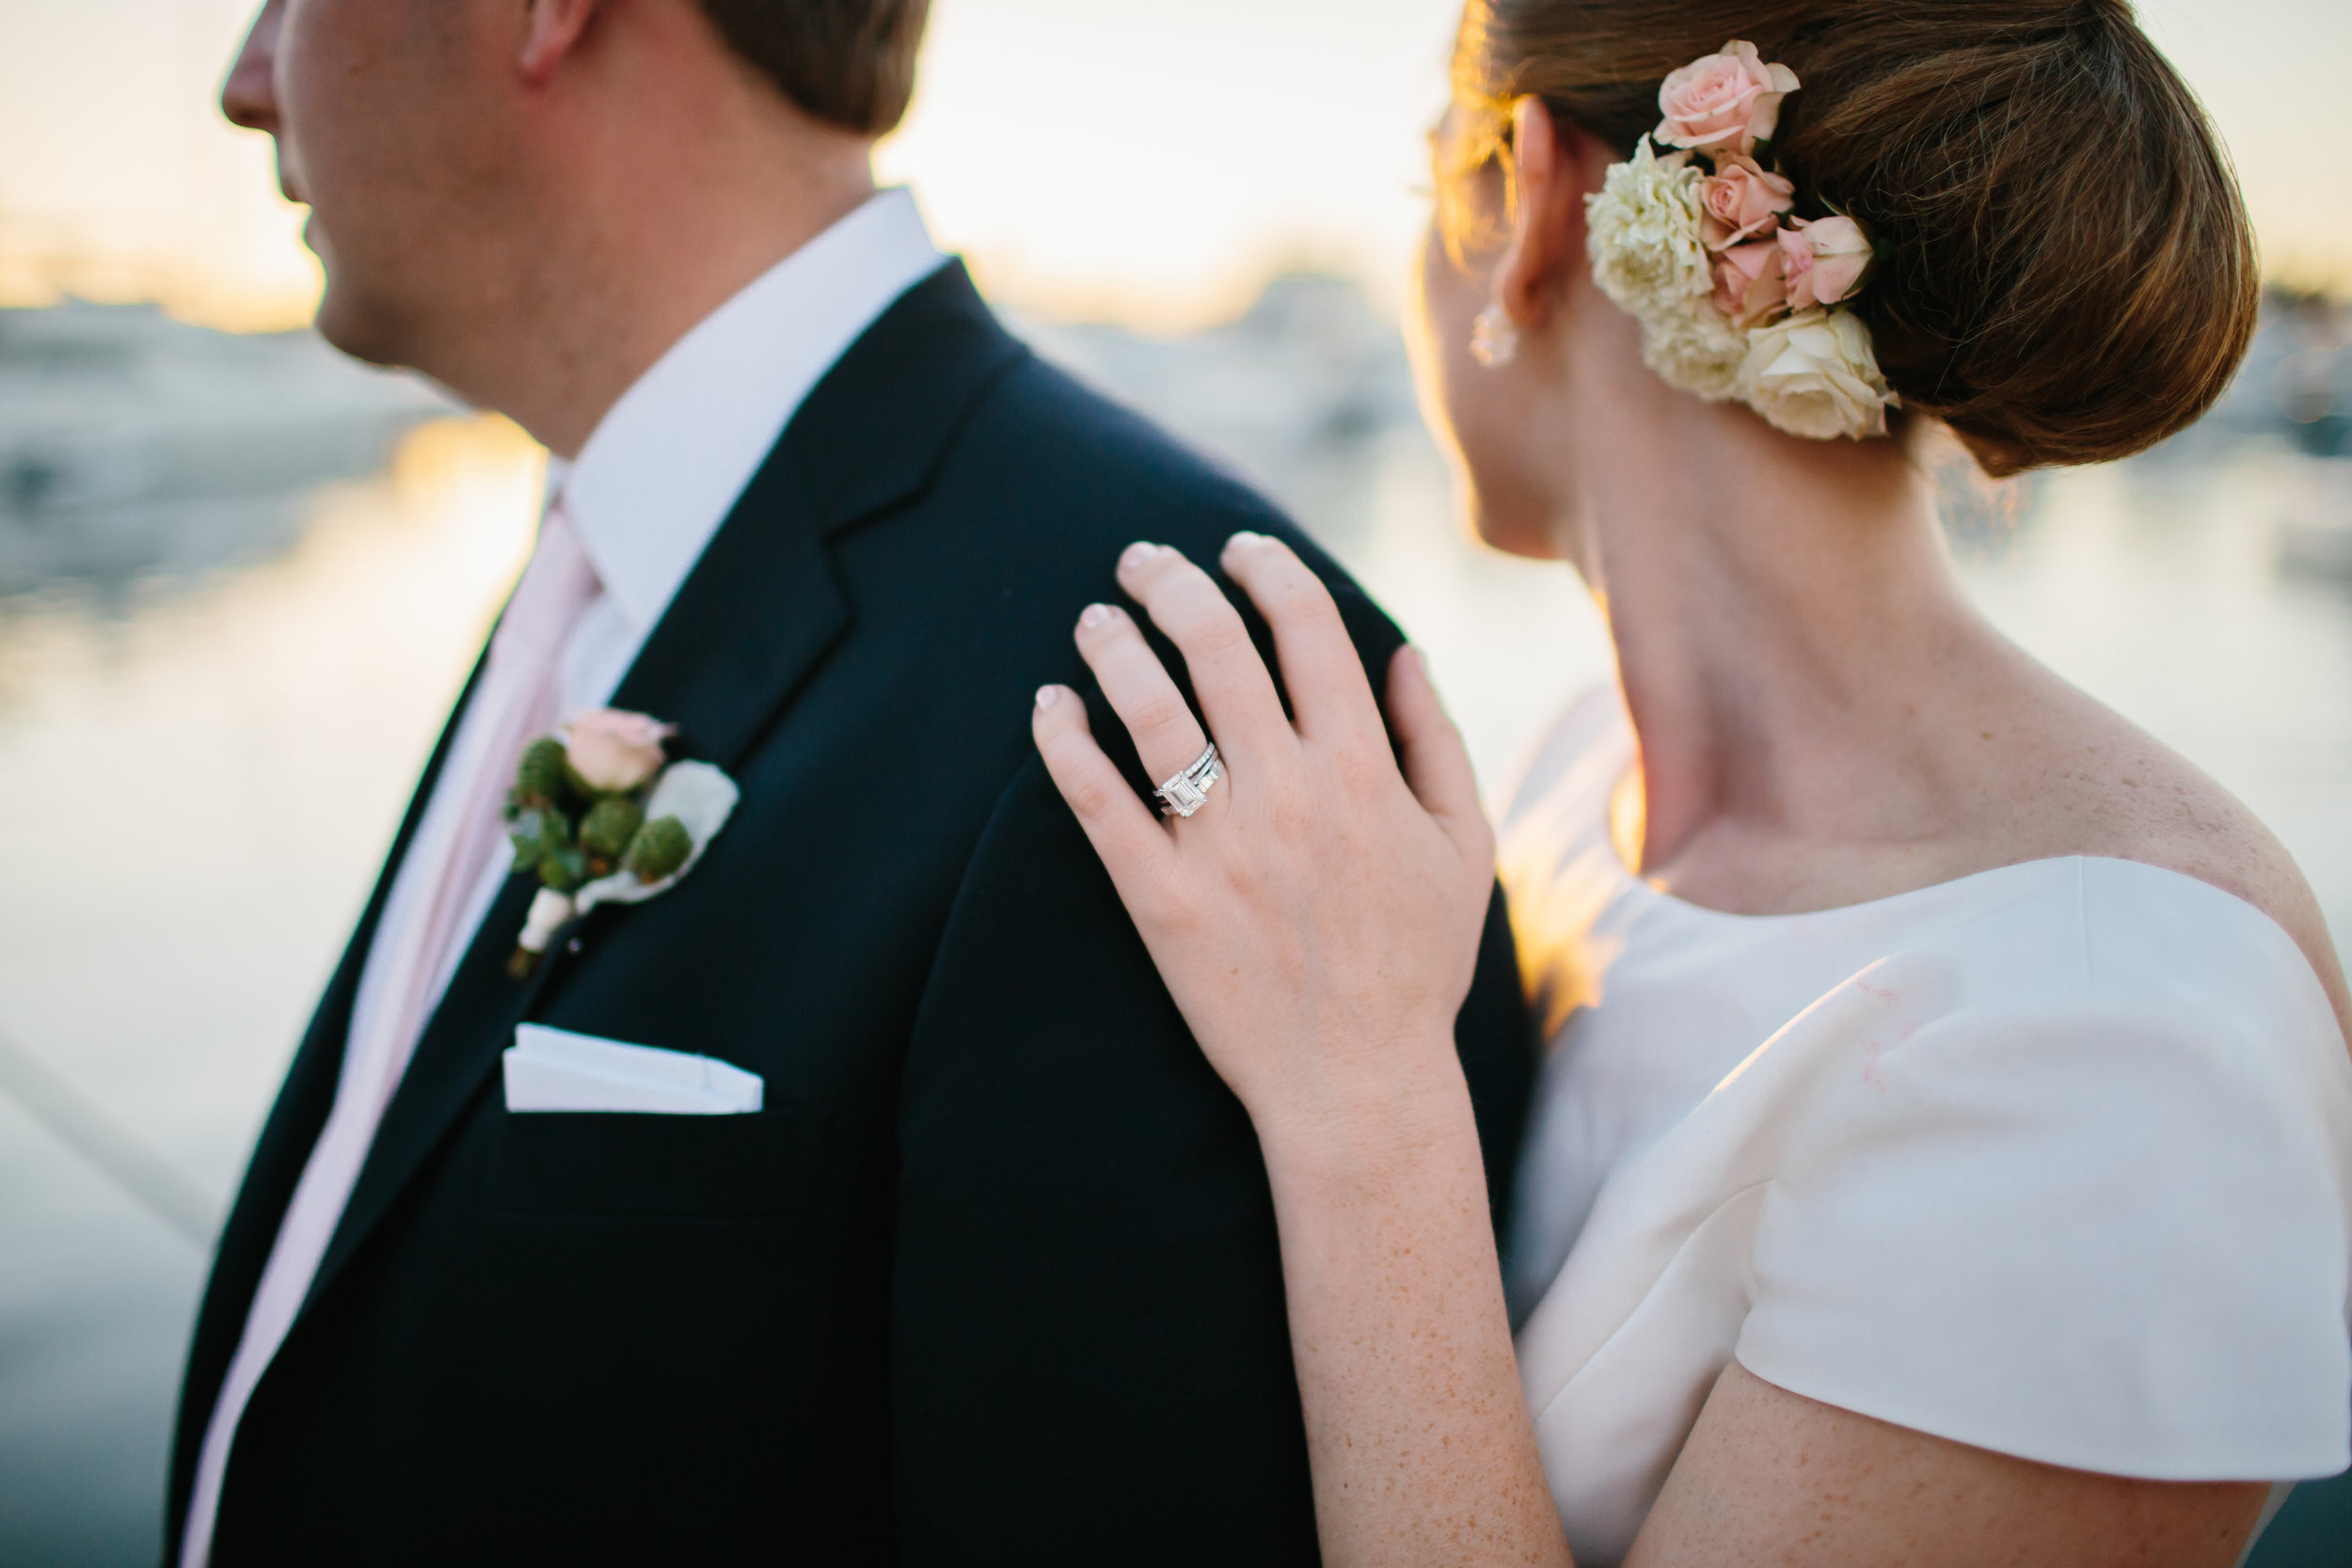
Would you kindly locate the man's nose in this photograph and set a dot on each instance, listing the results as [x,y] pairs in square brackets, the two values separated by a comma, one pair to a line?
[249,97]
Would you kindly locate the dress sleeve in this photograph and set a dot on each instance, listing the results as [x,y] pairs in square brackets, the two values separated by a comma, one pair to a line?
[2104,1229]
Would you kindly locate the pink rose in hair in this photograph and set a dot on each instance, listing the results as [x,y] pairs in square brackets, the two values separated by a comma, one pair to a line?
[1796,267]
[612,751]
[1730,100]
[1741,201]
[1837,254]
[1751,283]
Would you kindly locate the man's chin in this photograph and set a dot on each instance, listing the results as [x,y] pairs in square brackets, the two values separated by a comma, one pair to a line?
[363,331]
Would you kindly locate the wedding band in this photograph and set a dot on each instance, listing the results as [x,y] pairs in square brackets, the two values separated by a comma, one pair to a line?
[1188,791]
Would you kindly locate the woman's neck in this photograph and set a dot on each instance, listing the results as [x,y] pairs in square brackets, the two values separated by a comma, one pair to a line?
[1795,653]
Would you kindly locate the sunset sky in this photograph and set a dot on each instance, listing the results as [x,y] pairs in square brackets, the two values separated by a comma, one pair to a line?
[1099,158]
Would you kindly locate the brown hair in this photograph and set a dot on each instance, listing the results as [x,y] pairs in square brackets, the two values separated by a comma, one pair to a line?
[848,62]
[2069,274]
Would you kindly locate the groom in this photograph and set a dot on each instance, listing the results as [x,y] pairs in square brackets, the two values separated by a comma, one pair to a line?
[986,1270]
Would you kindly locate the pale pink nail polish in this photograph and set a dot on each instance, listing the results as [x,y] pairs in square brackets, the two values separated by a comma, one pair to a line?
[1047,696]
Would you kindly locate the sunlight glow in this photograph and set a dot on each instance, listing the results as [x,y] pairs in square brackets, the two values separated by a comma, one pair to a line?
[1148,165]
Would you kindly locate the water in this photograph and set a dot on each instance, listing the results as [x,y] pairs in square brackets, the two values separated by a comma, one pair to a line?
[203,753]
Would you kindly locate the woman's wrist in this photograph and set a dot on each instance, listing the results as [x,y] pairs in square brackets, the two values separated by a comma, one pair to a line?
[1372,1126]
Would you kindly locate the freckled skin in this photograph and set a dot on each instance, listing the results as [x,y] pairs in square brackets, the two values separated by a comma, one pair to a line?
[1771,1479]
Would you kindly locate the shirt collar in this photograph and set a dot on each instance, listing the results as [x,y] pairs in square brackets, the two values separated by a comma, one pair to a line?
[665,465]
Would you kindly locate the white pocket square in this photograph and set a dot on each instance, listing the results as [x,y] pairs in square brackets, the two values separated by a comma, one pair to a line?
[555,1069]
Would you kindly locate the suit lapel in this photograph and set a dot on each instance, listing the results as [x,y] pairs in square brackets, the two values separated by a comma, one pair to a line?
[754,618]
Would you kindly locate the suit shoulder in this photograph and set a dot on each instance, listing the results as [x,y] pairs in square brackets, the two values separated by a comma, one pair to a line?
[1094,476]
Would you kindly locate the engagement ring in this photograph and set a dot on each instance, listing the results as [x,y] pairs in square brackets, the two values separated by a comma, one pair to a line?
[1188,791]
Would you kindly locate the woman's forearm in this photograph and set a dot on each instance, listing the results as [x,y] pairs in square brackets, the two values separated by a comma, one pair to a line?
[1422,1447]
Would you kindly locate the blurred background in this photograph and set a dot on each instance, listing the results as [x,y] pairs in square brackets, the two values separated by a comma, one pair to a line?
[242,578]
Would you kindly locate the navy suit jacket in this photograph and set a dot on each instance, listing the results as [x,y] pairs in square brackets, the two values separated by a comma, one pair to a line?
[992,1277]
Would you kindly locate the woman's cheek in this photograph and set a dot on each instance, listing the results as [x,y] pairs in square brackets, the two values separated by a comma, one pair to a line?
[1443,305]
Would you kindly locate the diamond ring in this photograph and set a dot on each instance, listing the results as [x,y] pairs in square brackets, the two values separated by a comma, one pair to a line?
[1188,791]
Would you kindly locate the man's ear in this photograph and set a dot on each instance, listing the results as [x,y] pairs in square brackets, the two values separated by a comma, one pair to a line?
[1554,168]
[552,28]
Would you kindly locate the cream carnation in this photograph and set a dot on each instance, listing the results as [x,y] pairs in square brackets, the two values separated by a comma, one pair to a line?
[1695,348]
[1642,234]
[1814,376]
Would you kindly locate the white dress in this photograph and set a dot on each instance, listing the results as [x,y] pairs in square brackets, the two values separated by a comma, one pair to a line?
[2053,1160]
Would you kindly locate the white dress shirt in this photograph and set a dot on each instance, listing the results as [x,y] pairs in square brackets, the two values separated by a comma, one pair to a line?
[646,494]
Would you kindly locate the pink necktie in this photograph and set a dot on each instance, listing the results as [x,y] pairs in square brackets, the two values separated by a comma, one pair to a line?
[517,702]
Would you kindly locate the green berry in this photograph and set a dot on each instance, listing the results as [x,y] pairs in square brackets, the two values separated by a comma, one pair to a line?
[659,851]
[608,828]
[564,870]
[540,777]
[534,832]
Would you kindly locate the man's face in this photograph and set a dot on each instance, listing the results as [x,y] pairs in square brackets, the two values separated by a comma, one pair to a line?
[386,114]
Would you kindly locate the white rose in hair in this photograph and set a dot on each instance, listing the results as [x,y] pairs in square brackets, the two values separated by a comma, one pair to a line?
[1814,376]
[1642,234]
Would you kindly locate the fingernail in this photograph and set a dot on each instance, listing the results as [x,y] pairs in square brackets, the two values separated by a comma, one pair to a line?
[1138,555]
[1096,614]
[1047,696]
[1243,541]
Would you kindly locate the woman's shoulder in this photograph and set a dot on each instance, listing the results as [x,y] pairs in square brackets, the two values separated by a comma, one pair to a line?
[2105,790]
[2070,1181]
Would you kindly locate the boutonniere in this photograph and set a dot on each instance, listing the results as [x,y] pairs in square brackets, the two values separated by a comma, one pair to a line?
[600,815]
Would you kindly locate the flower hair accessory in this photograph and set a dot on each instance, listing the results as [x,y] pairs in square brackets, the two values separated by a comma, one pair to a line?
[1739,299]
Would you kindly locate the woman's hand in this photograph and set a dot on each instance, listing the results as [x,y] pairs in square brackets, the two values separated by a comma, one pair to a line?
[1318,919]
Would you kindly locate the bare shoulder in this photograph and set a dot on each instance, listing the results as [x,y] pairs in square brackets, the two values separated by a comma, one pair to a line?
[1770,1476]
[2106,787]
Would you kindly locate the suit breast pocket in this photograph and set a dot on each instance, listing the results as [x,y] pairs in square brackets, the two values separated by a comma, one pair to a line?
[588,1127]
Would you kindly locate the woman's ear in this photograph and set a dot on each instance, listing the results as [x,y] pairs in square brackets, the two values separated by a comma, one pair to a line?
[552,28]
[1554,167]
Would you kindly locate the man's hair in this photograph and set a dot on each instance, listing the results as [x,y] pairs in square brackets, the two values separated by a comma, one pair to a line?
[848,62]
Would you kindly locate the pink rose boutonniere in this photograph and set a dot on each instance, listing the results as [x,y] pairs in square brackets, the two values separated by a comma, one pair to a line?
[615,752]
[600,815]
[1724,103]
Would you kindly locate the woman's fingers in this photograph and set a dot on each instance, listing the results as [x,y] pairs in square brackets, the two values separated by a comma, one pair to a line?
[1120,827]
[1139,690]
[1236,692]
[1437,764]
[1320,666]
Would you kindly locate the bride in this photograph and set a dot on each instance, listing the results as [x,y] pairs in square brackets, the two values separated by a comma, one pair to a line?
[1943,1148]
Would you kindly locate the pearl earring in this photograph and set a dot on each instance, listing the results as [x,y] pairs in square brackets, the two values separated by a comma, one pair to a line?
[1494,338]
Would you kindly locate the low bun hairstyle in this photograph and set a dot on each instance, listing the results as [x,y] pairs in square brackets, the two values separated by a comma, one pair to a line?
[2069,274]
